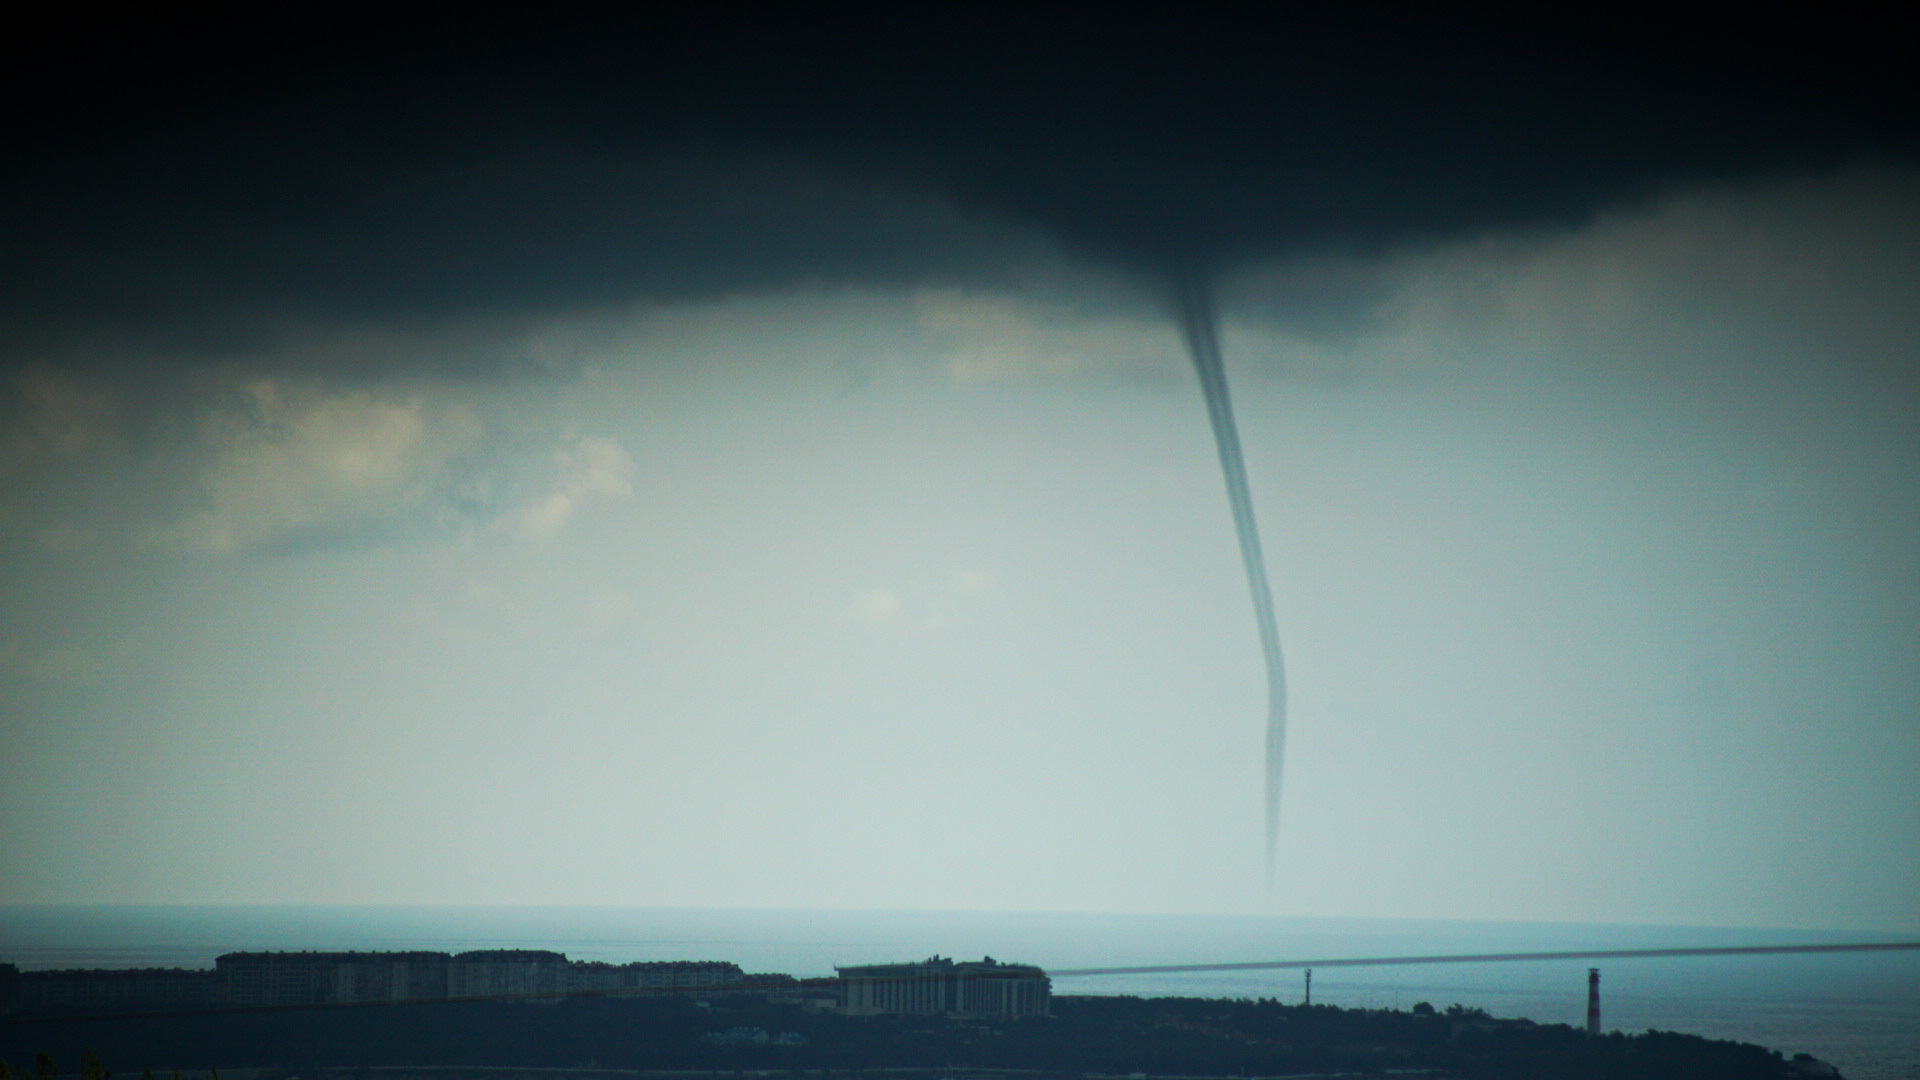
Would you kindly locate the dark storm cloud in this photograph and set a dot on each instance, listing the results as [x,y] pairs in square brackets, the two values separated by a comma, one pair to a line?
[181,186]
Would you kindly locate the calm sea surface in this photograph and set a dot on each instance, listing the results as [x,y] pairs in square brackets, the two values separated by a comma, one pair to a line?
[1859,1011]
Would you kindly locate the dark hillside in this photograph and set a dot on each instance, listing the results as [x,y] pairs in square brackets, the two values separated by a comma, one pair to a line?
[731,1036]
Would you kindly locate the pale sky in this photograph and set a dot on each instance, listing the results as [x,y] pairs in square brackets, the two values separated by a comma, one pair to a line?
[1596,552]
[644,458]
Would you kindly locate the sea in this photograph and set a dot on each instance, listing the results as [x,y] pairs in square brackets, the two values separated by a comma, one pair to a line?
[1857,1011]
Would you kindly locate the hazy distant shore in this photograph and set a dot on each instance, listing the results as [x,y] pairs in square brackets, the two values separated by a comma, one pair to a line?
[1857,1011]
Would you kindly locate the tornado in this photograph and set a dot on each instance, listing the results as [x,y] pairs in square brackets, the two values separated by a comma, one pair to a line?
[1199,323]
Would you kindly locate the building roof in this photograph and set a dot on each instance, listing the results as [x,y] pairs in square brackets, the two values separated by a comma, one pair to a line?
[937,965]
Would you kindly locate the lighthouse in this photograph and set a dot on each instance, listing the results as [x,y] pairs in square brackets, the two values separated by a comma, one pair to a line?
[1593,1001]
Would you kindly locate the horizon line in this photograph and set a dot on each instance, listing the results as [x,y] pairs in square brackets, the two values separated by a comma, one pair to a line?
[1487,958]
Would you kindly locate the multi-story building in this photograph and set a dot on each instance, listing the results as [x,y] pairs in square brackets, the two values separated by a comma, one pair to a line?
[655,976]
[939,986]
[507,973]
[317,978]
[143,988]
[277,978]
[320,978]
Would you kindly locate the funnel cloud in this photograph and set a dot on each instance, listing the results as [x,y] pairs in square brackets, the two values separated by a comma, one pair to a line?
[1199,324]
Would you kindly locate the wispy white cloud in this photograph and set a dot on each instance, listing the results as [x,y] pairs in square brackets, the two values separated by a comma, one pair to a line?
[593,469]
[924,605]
[1808,275]
[879,607]
[287,463]
[609,607]
[53,415]
[989,336]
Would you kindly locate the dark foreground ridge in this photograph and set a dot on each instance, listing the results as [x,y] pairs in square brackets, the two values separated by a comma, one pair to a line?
[739,1035]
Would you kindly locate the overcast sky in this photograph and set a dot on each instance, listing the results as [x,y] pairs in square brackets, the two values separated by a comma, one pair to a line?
[417,485]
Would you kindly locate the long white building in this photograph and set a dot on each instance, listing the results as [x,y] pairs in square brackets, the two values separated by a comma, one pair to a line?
[313,978]
[938,986]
